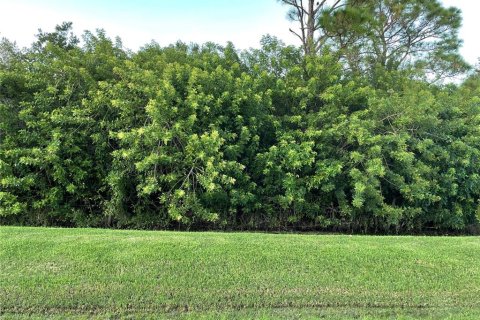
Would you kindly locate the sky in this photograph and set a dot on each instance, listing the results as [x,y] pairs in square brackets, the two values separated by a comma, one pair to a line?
[138,22]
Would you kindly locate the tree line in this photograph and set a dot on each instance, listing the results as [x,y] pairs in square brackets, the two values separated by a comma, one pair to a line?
[347,132]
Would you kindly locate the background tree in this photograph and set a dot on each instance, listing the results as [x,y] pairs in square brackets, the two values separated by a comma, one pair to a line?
[307,14]
[372,36]
[62,37]
[398,34]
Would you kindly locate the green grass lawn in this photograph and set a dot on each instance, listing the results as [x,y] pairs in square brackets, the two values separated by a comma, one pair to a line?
[89,273]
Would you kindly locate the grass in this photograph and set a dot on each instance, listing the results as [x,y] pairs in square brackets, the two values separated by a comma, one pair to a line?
[91,273]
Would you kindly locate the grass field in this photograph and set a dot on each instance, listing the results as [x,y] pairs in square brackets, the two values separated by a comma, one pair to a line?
[89,273]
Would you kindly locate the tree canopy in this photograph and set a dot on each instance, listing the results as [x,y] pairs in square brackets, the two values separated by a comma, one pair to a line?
[374,35]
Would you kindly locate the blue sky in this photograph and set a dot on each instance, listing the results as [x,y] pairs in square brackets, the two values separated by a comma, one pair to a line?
[138,22]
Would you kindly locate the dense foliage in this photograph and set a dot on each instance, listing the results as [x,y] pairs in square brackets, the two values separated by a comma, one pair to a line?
[190,136]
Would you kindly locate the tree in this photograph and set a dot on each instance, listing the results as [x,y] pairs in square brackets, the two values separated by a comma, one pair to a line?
[62,37]
[398,34]
[307,13]
[388,35]
[53,151]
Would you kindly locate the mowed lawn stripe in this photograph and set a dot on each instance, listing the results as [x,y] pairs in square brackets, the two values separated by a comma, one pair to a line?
[93,271]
